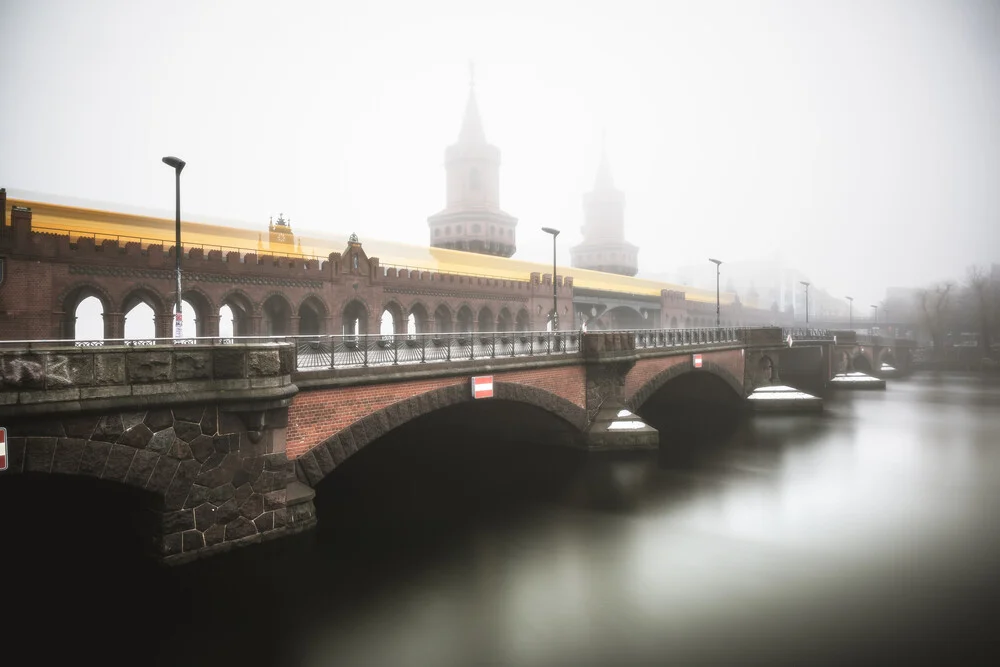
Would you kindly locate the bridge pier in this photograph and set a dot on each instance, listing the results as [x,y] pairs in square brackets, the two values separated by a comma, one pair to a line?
[608,357]
[214,470]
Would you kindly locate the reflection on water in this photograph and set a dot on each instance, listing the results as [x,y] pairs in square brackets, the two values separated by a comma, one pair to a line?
[863,535]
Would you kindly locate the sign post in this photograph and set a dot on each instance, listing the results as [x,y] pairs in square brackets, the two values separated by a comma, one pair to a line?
[696,360]
[3,448]
[482,386]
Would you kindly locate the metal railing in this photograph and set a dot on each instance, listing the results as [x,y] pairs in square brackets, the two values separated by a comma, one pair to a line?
[335,351]
[659,338]
[799,333]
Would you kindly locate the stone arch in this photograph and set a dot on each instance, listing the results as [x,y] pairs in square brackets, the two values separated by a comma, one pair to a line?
[624,317]
[417,319]
[354,317]
[204,309]
[313,315]
[324,457]
[442,319]
[658,381]
[142,293]
[72,297]
[523,320]
[505,321]
[396,311]
[885,356]
[485,320]
[243,309]
[464,319]
[276,310]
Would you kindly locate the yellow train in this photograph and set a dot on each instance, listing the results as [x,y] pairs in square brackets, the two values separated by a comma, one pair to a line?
[83,219]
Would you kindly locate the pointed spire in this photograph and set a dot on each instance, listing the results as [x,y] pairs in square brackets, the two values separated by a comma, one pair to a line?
[472,125]
[604,180]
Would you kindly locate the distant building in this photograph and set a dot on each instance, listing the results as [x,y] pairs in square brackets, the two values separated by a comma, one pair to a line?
[472,219]
[604,247]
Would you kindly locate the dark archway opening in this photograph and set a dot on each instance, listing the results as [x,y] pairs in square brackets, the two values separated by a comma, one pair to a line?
[432,482]
[695,413]
[70,545]
[861,364]
[277,316]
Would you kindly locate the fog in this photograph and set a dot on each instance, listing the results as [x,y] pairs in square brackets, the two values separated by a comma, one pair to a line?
[856,142]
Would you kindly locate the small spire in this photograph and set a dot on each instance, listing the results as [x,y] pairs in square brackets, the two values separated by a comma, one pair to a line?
[604,180]
[472,125]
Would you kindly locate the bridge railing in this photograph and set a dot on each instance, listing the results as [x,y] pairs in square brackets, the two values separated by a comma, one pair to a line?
[364,350]
[665,338]
[332,351]
[800,333]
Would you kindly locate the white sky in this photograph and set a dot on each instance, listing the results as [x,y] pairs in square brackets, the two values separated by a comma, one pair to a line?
[859,141]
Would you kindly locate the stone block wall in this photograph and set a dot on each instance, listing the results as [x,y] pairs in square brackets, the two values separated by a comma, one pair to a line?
[211,482]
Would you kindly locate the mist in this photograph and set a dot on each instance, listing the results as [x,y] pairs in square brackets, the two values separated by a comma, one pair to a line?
[855,143]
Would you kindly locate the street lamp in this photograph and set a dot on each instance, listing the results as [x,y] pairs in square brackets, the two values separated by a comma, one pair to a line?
[875,316]
[555,306]
[178,165]
[850,311]
[807,300]
[717,262]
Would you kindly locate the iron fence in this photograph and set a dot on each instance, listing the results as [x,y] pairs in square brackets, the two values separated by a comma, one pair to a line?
[333,351]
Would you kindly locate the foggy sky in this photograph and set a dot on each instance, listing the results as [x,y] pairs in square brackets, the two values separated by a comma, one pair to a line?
[857,141]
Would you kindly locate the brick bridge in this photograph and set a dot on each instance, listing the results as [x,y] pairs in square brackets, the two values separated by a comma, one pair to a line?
[225,439]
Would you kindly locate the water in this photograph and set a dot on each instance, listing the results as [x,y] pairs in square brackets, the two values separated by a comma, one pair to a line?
[865,535]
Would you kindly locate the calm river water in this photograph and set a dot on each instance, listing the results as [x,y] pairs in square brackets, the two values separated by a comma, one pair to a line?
[865,535]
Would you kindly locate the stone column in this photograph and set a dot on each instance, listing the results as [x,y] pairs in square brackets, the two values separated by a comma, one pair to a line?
[293,325]
[211,326]
[114,325]
[164,325]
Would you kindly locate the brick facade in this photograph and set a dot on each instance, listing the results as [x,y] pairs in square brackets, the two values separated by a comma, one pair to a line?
[315,416]
[47,275]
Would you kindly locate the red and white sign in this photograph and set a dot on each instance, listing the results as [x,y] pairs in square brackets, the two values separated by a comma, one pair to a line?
[3,448]
[482,386]
[696,360]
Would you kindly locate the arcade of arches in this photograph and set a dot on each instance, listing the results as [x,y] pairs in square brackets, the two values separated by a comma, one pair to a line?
[91,314]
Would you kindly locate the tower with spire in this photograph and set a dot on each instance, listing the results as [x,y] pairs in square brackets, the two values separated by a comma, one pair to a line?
[604,247]
[472,219]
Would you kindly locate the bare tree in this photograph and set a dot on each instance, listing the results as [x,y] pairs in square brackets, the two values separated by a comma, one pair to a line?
[934,305]
[980,296]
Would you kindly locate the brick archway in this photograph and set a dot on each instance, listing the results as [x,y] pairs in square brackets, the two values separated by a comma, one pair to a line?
[323,458]
[642,394]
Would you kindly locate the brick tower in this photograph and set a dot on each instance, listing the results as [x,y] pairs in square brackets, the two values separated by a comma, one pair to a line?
[472,219]
[604,247]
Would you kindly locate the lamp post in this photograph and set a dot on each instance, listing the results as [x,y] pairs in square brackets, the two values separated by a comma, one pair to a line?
[717,262]
[850,311]
[555,306]
[875,315]
[178,165]
[807,301]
